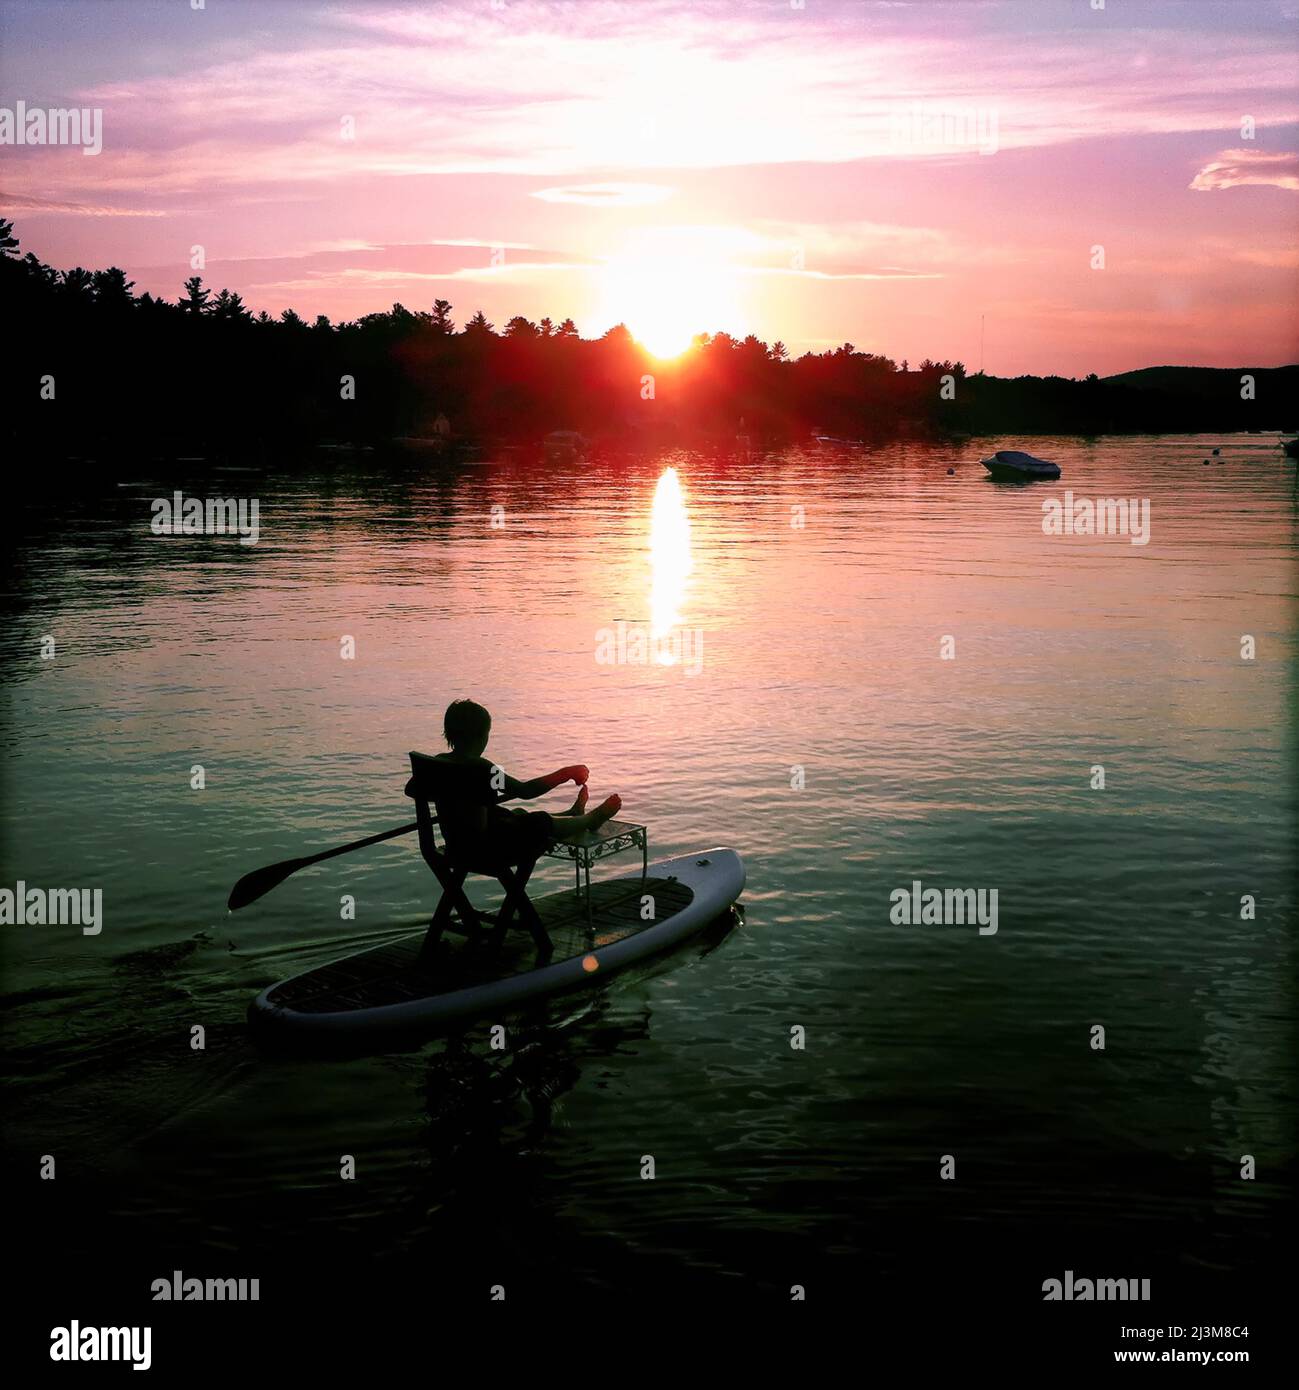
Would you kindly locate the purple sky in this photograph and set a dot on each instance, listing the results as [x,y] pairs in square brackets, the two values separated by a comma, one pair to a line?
[883,173]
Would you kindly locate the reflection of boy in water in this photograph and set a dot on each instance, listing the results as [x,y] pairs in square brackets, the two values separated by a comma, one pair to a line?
[475,825]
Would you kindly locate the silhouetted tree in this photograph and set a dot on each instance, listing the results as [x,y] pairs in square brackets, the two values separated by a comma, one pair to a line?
[79,284]
[229,306]
[441,319]
[196,297]
[45,274]
[113,289]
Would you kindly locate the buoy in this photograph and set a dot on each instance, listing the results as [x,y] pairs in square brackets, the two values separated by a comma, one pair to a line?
[1216,452]
[950,471]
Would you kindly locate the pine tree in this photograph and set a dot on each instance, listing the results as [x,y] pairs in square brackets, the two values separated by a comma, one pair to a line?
[196,297]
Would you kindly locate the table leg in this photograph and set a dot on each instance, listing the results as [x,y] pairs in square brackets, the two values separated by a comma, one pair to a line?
[588,894]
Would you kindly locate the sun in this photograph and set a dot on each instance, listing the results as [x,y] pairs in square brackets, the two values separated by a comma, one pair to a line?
[667,293]
[662,333]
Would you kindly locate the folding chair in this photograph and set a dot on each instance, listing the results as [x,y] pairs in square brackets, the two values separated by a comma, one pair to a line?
[431,790]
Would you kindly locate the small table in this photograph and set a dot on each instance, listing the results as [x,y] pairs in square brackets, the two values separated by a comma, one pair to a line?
[587,846]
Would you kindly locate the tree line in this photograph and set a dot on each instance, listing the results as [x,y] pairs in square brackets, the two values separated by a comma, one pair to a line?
[102,369]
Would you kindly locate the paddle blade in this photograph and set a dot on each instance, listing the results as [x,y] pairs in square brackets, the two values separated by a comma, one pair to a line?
[260,882]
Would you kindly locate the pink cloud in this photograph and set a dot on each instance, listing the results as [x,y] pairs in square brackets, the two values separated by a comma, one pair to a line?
[597,195]
[1244,168]
[23,202]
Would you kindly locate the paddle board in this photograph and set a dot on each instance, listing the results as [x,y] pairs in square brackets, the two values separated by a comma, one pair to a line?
[387,989]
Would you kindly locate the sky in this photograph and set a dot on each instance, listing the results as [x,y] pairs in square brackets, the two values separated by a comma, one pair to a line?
[1044,186]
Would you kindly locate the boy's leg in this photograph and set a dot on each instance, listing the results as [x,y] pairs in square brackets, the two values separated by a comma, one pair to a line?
[590,820]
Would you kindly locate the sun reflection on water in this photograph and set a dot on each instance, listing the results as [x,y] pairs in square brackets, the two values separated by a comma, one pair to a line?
[669,562]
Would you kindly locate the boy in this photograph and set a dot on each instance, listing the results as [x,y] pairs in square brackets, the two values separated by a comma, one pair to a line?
[475,826]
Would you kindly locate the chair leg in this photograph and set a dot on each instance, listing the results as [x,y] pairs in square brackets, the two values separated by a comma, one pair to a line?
[453,900]
[537,929]
[517,901]
[428,948]
[466,911]
[505,913]
[437,925]
[454,895]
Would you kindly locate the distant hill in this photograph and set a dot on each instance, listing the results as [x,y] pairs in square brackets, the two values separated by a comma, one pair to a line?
[1154,400]
[1213,382]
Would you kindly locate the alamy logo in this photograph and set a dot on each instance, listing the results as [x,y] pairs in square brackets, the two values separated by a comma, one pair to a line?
[178,1289]
[919,905]
[636,644]
[56,907]
[179,515]
[1106,516]
[922,128]
[1071,1290]
[77,1343]
[82,126]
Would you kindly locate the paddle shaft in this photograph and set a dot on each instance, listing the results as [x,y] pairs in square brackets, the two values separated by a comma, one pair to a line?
[260,882]
[358,844]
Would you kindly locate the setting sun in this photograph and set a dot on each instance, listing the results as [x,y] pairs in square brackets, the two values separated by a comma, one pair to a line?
[670,285]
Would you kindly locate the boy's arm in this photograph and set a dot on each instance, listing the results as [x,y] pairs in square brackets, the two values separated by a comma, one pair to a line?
[511,789]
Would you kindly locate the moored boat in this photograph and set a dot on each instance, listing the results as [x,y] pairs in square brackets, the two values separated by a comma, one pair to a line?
[565,444]
[420,444]
[1014,465]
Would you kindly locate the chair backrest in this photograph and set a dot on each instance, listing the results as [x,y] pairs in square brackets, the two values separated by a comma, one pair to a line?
[426,821]
[455,794]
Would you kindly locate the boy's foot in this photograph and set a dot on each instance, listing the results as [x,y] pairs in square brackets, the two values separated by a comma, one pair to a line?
[606,810]
[578,808]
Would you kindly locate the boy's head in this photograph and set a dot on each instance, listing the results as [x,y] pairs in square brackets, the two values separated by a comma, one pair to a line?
[466,726]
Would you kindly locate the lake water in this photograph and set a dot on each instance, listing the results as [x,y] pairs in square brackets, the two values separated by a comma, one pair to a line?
[814,725]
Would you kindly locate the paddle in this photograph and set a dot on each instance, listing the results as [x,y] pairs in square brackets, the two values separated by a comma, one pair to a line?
[260,882]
